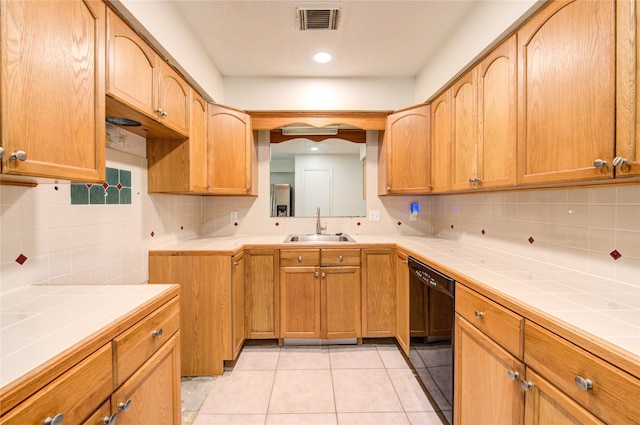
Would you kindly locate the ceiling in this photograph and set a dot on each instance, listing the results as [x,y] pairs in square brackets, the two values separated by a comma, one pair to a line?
[373,39]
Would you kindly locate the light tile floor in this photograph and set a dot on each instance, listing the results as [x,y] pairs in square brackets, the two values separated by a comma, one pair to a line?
[337,385]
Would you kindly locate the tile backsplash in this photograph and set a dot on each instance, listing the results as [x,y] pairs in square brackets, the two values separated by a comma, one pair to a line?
[51,235]
[115,190]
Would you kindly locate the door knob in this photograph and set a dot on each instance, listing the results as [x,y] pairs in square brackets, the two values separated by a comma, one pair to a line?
[19,156]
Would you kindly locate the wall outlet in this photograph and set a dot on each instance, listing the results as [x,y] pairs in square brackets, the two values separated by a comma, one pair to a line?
[374,215]
[233,216]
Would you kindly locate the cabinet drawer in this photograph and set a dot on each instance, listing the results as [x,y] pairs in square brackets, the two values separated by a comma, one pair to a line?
[340,257]
[500,324]
[614,395]
[75,394]
[134,346]
[299,257]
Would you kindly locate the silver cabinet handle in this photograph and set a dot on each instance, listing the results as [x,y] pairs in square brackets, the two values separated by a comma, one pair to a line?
[56,420]
[513,375]
[474,180]
[299,258]
[405,262]
[110,420]
[161,112]
[157,332]
[388,188]
[599,163]
[235,263]
[340,258]
[317,274]
[583,384]
[124,406]
[618,160]
[525,385]
[19,156]
[2,152]
[323,275]
[478,314]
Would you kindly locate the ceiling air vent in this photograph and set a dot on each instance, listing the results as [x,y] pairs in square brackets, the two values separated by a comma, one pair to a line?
[318,19]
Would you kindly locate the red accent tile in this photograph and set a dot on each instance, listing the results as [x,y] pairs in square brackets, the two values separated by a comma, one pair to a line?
[399,223]
[483,232]
[181,227]
[531,240]
[358,224]
[105,185]
[452,226]
[235,224]
[21,259]
[277,224]
[119,186]
[89,185]
[615,254]
[153,234]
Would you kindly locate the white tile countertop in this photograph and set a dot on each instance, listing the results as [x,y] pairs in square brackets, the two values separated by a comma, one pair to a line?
[606,309]
[38,323]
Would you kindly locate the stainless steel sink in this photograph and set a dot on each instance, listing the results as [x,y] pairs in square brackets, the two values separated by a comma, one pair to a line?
[319,238]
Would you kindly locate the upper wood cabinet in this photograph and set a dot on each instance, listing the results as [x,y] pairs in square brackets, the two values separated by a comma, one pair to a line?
[566,92]
[404,152]
[52,89]
[145,87]
[441,143]
[180,165]
[233,157]
[497,117]
[627,91]
[464,131]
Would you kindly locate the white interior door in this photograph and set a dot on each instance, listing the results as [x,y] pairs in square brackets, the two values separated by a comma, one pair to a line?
[317,190]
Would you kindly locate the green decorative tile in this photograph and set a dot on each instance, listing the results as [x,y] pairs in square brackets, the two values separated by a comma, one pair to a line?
[112,176]
[96,194]
[125,178]
[125,195]
[79,194]
[113,195]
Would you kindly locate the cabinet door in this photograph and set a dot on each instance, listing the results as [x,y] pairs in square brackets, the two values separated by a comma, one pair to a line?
[152,394]
[231,152]
[497,116]
[628,93]
[132,67]
[407,151]
[483,392]
[402,301]
[263,294]
[238,292]
[52,92]
[464,131]
[173,100]
[340,307]
[198,166]
[566,92]
[545,404]
[378,293]
[441,143]
[300,302]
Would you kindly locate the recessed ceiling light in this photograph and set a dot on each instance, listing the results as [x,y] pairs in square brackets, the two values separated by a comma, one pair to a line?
[322,57]
[315,148]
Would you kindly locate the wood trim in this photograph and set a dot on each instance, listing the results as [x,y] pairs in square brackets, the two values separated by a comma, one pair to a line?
[355,136]
[269,120]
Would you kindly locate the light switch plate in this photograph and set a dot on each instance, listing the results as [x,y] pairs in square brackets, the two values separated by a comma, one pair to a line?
[233,216]
[374,215]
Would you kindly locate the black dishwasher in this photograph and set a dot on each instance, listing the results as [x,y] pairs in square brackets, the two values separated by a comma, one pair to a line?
[431,313]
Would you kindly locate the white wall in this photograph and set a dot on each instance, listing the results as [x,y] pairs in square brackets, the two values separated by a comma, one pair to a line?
[486,23]
[359,94]
[162,21]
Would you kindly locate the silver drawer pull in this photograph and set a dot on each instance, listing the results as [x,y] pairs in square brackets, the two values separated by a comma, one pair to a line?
[340,257]
[299,258]
[56,420]
[525,385]
[583,384]
[478,314]
[19,156]
[157,332]
[110,420]
[124,406]
[513,375]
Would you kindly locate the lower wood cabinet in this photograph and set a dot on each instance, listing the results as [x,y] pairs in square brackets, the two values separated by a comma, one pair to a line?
[378,293]
[146,355]
[402,301]
[299,302]
[340,302]
[238,295]
[484,394]
[262,307]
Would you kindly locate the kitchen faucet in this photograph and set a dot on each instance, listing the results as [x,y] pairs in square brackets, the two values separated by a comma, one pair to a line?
[319,227]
